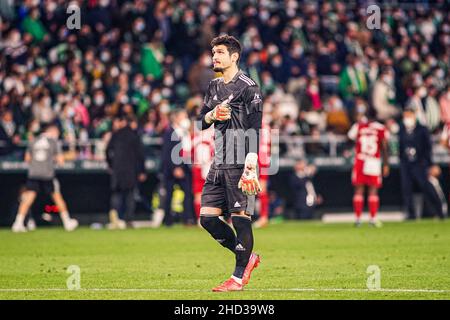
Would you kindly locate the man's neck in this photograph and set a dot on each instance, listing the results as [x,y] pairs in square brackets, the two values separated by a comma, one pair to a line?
[229,73]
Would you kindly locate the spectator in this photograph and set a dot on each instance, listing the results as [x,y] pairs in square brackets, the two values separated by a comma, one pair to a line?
[415,161]
[305,195]
[176,149]
[353,81]
[125,159]
[383,96]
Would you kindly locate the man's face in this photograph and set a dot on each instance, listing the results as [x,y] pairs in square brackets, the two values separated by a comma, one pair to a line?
[222,58]
[53,132]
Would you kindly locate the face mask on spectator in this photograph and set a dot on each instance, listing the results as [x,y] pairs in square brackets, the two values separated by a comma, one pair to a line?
[114,72]
[124,99]
[359,65]
[422,92]
[156,98]
[409,123]
[27,101]
[432,62]
[99,100]
[388,79]
[440,74]
[145,90]
[338,105]
[164,108]
[105,56]
[361,108]
[185,124]
[140,26]
[257,45]
[168,81]
[207,62]
[313,88]
[34,80]
[57,76]
[394,128]
[297,50]
[264,15]
[272,50]
[51,6]
[70,112]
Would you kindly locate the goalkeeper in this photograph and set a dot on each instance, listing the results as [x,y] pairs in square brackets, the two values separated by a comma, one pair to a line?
[233,104]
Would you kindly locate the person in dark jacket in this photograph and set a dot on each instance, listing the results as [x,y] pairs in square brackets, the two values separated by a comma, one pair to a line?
[305,195]
[415,161]
[175,170]
[125,157]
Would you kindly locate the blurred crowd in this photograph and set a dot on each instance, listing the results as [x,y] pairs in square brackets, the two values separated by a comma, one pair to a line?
[318,64]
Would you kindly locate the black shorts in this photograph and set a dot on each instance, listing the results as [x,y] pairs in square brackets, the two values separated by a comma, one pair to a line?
[43,186]
[221,191]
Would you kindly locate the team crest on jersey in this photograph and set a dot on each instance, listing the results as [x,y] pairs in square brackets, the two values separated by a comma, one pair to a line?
[256,98]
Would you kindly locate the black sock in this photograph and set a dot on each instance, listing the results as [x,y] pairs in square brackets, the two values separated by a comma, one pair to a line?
[220,231]
[244,246]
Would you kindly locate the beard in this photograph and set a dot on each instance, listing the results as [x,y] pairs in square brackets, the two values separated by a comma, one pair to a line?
[218,69]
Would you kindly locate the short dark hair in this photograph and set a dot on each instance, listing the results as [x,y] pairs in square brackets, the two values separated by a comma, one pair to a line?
[48,125]
[233,45]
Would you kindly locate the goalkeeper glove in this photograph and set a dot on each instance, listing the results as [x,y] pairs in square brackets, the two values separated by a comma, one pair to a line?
[249,183]
[221,112]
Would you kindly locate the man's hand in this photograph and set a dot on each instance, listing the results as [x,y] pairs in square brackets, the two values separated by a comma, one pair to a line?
[178,173]
[386,170]
[221,112]
[142,177]
[249,183]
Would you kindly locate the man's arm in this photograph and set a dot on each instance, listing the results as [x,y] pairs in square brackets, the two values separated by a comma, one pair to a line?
[427,147]
[59,157]
[209,115]
[110,150]
[385,152]
[140,157]
[249,182]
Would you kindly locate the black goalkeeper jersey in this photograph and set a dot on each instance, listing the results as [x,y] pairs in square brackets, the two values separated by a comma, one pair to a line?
[236,137]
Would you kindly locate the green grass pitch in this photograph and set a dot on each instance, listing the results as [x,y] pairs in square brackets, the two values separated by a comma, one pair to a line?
[300,260]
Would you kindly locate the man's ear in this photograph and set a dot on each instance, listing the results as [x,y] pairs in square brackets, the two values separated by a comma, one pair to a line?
[235,57]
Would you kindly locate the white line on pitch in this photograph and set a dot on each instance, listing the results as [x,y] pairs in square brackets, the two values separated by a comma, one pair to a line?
[204,290]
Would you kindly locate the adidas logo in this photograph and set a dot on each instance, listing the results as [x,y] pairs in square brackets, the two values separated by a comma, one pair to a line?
[215,97]
[237,205]
[239,247]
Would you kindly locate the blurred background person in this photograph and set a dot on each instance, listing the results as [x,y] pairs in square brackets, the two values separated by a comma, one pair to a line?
[176,155]
[125,157]
[415,161]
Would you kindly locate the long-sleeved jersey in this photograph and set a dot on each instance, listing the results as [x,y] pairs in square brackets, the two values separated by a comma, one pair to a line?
[236,137]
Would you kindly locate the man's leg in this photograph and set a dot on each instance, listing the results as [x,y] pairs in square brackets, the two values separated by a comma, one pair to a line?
[130,205]
[428,190]
[27,201]
[168,187]
[374,205]
[242,223]
[263,196]
[358,203]
[407,191]
[69,224]
[217,228]
[188,202]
